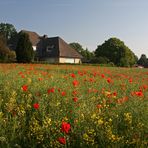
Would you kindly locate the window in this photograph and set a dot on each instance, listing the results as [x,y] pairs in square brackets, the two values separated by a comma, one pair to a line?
[49,48]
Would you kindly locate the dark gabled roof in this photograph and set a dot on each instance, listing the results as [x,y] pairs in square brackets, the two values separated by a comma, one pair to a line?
[62,49]
[66,50]
[33,36]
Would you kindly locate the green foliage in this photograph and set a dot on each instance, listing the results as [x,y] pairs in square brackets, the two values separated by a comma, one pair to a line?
[143,61]
[87,55]
[6,55]
[24,50]
[9,32]
[77,47]
[117,52]
[100,60]
[12,56]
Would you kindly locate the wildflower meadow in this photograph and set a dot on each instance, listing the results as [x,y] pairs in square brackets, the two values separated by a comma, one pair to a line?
[43,106]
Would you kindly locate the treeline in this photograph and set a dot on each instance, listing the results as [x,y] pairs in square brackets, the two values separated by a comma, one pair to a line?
[112,52]
[16,47]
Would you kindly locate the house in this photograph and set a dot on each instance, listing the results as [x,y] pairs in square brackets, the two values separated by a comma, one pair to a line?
[53,49]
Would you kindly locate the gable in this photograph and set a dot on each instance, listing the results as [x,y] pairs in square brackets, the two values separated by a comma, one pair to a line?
[66,51]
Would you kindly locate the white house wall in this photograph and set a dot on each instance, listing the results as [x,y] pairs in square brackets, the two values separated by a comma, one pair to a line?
[78,61]
[69,60]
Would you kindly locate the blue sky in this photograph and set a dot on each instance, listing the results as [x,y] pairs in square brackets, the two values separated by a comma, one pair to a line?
[89,22]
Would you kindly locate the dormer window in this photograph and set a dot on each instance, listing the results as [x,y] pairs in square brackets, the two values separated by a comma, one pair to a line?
[49,48]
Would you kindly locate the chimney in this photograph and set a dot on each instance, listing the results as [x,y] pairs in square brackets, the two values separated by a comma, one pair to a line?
[45,36]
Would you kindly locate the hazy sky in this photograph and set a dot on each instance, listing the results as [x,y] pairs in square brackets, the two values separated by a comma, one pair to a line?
[89,22]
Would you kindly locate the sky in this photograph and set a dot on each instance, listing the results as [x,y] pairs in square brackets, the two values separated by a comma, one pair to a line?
[88,22]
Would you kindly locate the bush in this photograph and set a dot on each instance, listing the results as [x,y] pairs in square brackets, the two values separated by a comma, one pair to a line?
[99,60]
[6,55]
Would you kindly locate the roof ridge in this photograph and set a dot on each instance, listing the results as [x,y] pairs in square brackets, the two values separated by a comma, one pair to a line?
[30,32]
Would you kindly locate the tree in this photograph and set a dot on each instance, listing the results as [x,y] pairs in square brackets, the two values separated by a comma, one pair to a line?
[24,50]
[143,61]
[9,32]
[5,53]
[87,55]
[77,47]
[117,52]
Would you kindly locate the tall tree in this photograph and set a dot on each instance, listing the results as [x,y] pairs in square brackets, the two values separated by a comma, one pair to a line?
[9,32]
[24,50]
[117,52]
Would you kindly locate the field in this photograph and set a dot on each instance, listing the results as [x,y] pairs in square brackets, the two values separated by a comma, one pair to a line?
[73,106]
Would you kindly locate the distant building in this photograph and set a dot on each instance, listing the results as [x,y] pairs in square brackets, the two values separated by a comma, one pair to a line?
[53,50]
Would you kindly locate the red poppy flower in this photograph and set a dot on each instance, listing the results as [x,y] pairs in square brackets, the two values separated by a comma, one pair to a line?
[48,91]
[51,90]
[36,105]
[115,94]
[91,80]
[130,80]
[65,127]
[80,73]
[139,93]
[102,75]
[40,79]
[145,86]
[99,106]
[62,140]
[75,83]
[94,74]
[20,73]
[72,75]
[24,87]
[75,99]
[22,76]
[63,93]
[109,80]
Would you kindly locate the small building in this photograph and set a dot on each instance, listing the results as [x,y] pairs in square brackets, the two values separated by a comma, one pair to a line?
[53,49]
